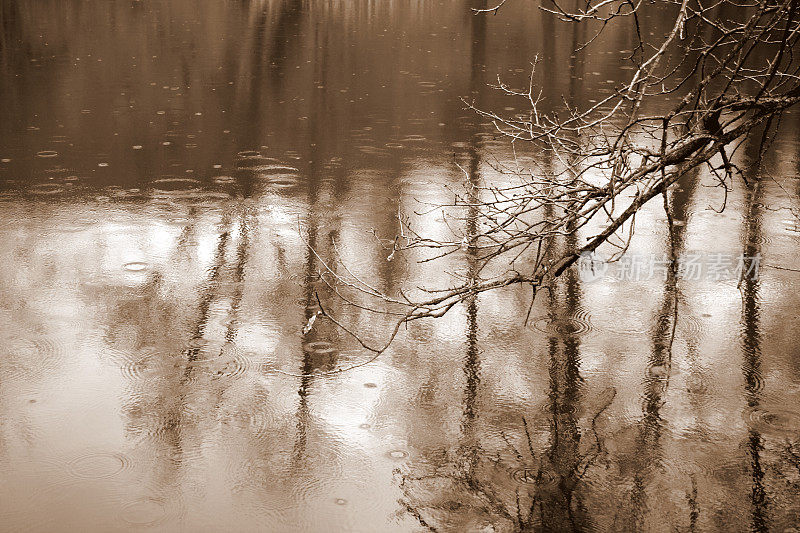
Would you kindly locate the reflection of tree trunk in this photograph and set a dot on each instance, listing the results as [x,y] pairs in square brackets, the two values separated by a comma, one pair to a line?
[207,296]
[575,62]
[648,445]
[751,350]
[470,448]
[285,36]
[559,508]
[472,362]
[548,38]
[9,33]
[238,278]
[648,451]
[309,291]
[256,96]
[319,330]
[171,423]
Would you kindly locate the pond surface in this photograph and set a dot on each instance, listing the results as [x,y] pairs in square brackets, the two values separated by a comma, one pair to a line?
[165,167]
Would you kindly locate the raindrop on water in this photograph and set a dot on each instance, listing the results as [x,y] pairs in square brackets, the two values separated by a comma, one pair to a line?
[98,465]
[658,371]
[577,324]
[135,266]
[145,512]
[45,189]
[781,422]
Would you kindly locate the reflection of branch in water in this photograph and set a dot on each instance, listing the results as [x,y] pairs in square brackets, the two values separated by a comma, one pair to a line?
[413,512]
[490,486]
[694,509]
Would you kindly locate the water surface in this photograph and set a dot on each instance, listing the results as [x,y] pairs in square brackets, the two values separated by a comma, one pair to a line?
[166,166]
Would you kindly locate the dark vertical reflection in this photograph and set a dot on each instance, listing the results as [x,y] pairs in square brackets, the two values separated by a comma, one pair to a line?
[314,245]
[9,31]
[651,426]
[160,407]
[209,293]
[559,502]
[470,445]
[469,453]
[245,224]
[751,342]
[286,36]
[173,424]
[557,497]
[251,128]
[471,361]
[659,369]
[309,291]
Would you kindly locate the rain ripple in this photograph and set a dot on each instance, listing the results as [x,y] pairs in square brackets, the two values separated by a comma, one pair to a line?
[566,325]
[774,422]
[31,357]
[691,326]
[98,465]
[532,476]
[135,266]
[150,511]
[45,189]
[175,186]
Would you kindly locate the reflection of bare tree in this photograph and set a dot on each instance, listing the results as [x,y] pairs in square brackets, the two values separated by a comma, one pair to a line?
[530,490]
[169,417]
[563,465]
[558,501]
[648,452]
[163,406]
[751,349]
[533,491]
[468,468]
[316,332]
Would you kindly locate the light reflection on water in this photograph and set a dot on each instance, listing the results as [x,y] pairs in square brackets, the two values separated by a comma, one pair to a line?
[161,178]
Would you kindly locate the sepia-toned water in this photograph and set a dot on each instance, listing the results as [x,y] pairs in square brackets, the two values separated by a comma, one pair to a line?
[167,167]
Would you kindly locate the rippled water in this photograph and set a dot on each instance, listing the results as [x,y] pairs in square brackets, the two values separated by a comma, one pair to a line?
[164,168]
